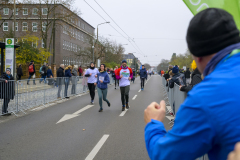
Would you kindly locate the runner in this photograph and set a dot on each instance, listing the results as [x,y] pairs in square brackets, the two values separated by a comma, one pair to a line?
[143,76]
[91,73]
[102,85]
[116,80]
[124,74]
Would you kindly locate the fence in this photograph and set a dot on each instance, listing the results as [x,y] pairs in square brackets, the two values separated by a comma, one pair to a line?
[20,96]
[174,98]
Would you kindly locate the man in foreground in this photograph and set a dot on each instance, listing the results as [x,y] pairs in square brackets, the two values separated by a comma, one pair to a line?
[124,74]
[208,120]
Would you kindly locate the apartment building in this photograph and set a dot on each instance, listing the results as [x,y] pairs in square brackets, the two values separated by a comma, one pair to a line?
[71,36]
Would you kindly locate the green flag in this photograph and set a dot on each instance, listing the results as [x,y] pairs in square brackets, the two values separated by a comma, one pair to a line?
[232,6]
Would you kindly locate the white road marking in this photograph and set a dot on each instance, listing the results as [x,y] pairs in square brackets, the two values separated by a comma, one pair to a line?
[123,112]
[96,149]
[134,97]
[67,117]
[83,109]
[70,116]
[139,90]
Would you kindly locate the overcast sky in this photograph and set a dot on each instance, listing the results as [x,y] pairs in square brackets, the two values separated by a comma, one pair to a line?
[158,27]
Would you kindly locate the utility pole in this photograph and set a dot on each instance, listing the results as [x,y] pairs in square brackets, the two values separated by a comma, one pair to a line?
[14,36]
[54,36]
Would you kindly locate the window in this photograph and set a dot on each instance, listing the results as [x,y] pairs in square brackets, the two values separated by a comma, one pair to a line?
[16,40]
[25,11]
[34,27]
[43,45]
[16,11]
[44,26]
[73,34]
[83,26]
[35,11]
[5,11]
[44,11]
[16,29]
[34,44]
[71,47]
[5,26]
[63,44]
[24,26]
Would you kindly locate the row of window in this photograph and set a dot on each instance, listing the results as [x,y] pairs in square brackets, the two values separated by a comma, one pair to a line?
[25,11]
[74,33]
[24,26]
[69,46]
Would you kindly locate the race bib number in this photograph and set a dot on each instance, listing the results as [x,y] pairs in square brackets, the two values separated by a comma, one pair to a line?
[101,78]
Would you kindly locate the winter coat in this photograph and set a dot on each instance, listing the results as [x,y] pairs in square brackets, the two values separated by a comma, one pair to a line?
[44,69]
[196,78]
[60,75]
[106,80]
[74,76]
[175,79]
[19,71]
[206,122]
[80,70]
[143,73]
[7,90]
[49,73]
[166,75]
[187,74]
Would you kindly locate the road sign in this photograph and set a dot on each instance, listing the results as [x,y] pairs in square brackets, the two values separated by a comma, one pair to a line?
[9,53]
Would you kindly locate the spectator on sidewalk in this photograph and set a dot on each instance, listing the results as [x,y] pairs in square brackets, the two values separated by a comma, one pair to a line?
[80,71]
[116,80]
[19,72]
[31,71]
[196,78]
[68,75]
[74,79]
[84,81]
[60,79]
[50,76]
[177,78]
[134,75]
[187,76]
[7,90]
[44,72]
[208,120]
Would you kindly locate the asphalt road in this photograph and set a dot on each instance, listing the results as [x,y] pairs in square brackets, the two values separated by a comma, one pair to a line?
[89,135]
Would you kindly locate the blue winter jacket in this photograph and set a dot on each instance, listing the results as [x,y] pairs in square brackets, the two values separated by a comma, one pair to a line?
[106,80]
[143,73]
[207,122]
[68,73]
[49,73]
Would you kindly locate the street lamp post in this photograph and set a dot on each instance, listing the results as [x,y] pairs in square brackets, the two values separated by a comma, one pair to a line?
[97,38]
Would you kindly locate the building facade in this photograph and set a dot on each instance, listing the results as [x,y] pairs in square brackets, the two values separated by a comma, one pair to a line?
[132,61]
[61,31]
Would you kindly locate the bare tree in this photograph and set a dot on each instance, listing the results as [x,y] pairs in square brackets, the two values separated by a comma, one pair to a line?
[147,66]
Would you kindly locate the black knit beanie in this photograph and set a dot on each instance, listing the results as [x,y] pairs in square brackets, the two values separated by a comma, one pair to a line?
[210,31]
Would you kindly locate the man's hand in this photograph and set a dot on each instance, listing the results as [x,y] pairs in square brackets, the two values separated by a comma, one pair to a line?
[6,81]
[129,78]
[180,88]
[121,76]
[90,74]
[155,111]
[95,84]
[96,76]
[235,155]
[101,81]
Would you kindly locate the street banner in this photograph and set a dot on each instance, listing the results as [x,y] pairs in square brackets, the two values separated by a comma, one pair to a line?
[232,6]
[9,53]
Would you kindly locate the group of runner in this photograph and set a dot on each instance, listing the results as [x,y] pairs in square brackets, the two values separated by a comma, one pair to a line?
[122,76]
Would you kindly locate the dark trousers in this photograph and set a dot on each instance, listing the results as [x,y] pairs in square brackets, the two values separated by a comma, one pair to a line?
[5,105]
[19,77]
[125,94]
[142,82]
[30,76]
[91,88]
[80,74]
[116,82]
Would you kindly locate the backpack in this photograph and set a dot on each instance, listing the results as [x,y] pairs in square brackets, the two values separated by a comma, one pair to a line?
[30,69]
[40,70]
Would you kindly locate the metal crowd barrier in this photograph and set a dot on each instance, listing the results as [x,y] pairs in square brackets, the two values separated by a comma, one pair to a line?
[26,94]
[176,98]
